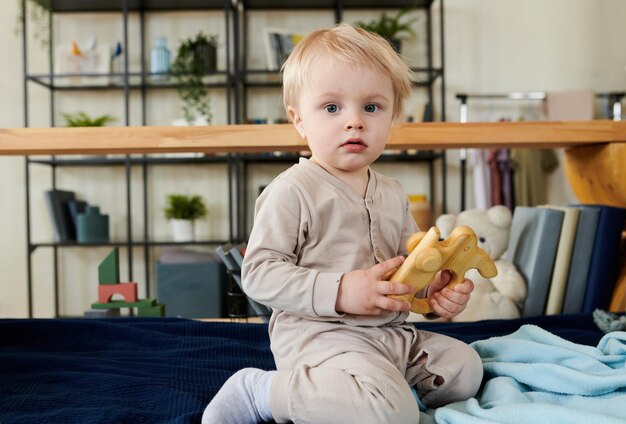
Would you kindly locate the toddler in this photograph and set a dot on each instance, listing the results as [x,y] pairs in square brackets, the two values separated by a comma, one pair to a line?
[326,232]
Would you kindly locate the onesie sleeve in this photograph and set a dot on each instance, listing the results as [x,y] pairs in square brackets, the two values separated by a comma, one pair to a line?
[270,273]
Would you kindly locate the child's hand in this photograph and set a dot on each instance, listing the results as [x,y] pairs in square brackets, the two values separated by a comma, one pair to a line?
[445,302]
[364,292]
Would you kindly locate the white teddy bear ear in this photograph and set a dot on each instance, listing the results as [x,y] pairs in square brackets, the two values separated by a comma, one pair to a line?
[446,224]
[500,216]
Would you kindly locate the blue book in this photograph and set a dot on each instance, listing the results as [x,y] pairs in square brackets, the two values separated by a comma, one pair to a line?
[604,259]
[533,244]
[581,259]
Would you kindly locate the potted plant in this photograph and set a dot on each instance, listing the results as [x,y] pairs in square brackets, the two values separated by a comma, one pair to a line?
[183,211]
[391,27]
[81,119]
[195,58]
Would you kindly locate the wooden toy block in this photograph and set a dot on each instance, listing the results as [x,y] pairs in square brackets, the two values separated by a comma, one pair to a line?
[102,313]
[127,290]
[458,253]
[157,310]
[142,303]
[109,269]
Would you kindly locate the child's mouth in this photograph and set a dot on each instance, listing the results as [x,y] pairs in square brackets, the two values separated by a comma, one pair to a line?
[354,145]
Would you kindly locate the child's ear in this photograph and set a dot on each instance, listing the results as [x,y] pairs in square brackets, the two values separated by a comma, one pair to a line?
[297,121]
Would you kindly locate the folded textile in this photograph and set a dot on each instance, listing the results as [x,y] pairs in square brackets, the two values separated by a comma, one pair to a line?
[534,376]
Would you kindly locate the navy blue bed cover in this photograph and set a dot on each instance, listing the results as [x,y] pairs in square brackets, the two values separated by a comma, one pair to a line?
[161,370]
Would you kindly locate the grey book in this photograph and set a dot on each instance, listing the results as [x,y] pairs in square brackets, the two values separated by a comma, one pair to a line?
[581,259]
[533,244]
[233,259]
[63,226]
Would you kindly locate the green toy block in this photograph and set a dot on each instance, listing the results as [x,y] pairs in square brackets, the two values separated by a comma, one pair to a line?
[157,310]
[142,303]
[109,269]
[102,313]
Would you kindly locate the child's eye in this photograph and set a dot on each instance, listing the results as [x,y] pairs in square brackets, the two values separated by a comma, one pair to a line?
[331,108]
[370,108]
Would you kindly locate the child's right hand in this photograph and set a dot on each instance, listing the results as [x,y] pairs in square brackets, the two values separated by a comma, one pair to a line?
[364,292]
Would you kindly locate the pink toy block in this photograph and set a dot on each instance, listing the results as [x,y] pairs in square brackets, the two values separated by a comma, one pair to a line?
[127,290]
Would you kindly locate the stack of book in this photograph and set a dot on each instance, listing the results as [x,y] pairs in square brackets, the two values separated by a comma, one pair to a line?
[569,256]
[232,256]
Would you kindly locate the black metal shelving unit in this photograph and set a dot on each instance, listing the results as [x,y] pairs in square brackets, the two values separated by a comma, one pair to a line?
[235,77]
[127,81]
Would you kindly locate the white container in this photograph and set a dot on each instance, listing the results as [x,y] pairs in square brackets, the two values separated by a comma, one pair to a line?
[183,229]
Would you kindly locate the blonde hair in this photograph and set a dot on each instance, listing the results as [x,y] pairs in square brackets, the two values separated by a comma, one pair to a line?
[352,45]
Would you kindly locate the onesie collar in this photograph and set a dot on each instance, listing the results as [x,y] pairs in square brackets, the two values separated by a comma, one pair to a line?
[331,179]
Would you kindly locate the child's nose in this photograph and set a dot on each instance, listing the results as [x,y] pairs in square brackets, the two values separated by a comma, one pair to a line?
[354,123]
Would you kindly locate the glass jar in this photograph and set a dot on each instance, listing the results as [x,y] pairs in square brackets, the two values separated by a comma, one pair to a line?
[420,209]
[160,59]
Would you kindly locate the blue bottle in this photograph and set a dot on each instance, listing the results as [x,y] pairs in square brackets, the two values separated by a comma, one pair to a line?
[160,59]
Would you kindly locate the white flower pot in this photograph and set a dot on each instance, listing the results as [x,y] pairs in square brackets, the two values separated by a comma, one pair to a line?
[182,229]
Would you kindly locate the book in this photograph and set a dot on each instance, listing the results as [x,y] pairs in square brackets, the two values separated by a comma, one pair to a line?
[279,43]
[558,283]
[63,226]
[533,244]
[428,113]
[618,298]
[236,255]
[604,259]
[232,257]
[581,259]
[231,266]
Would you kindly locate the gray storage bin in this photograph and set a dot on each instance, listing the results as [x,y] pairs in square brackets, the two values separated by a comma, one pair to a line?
[192,290]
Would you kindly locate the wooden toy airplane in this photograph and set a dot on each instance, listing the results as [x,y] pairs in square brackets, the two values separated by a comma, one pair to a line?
[459,253]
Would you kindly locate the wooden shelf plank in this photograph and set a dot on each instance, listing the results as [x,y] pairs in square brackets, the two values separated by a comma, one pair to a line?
[282,137]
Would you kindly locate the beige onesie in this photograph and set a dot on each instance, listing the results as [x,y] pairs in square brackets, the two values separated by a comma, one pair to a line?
[309,229]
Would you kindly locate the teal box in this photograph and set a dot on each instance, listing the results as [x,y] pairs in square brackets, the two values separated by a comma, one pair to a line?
[92,226]
[192,290]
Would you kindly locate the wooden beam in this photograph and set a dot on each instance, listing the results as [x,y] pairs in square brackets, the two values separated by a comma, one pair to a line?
[265,138]
[597,174]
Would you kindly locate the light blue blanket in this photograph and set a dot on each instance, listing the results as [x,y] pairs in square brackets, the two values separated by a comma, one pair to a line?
[533,376]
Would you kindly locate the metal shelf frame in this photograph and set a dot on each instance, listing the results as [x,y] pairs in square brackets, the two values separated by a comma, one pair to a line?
[129,81]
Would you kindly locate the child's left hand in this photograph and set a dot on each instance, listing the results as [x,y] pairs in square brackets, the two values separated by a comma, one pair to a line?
[445,302]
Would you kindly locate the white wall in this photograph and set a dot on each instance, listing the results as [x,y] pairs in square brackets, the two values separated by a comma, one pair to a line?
[491,46]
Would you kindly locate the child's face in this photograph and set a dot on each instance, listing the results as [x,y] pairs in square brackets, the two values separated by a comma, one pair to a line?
[345,113]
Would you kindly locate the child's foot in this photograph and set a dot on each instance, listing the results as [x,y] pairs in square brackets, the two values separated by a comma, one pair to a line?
[243,399]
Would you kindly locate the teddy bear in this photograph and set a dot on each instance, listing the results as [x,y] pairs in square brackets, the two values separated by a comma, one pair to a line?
[502,296]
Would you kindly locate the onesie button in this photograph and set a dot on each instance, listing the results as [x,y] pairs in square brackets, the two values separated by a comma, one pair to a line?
[378,253]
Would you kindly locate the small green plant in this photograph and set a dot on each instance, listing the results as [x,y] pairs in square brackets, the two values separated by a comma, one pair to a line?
[180,206]
[189,66]
[81,119]
[391,27]
[39,12]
